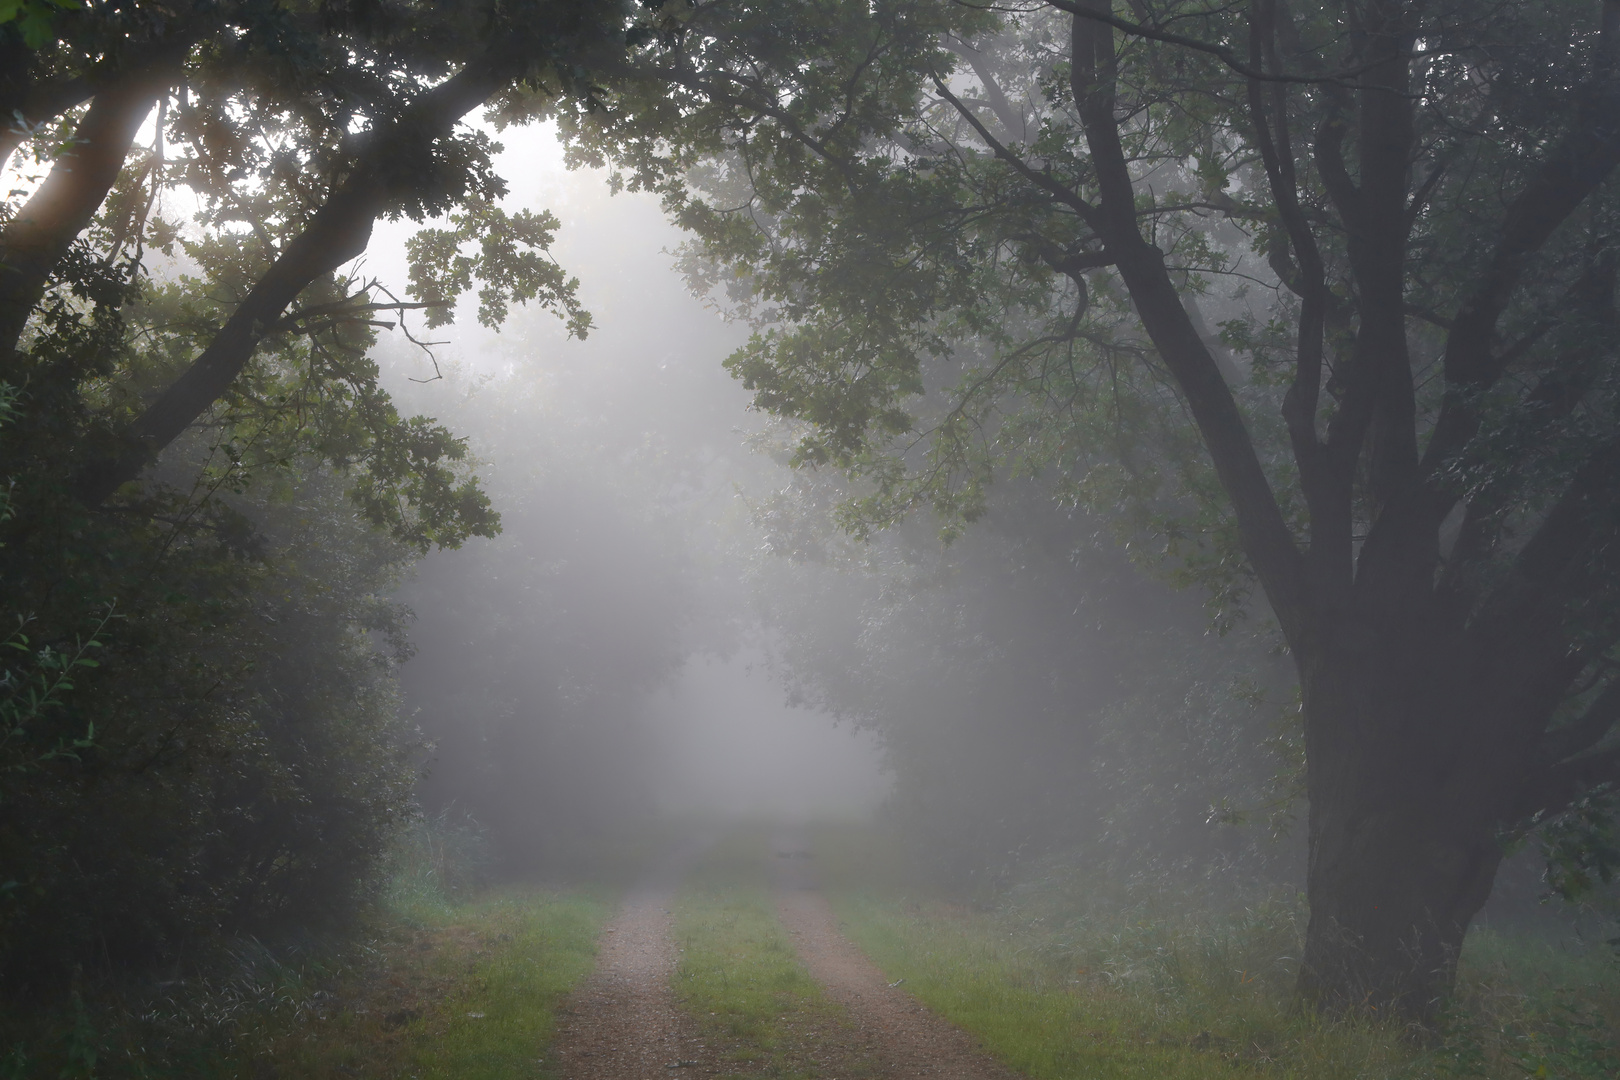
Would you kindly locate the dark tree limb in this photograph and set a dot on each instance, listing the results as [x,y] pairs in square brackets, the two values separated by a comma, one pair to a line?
[1582,161]
[1586,732]
[1060,191]
[40,103]
[1523,630]
[337,233]
[1379,375]
[1267,538]
[756,98]
[1555,396]
[44,229]
[1012,121]
[1084,9]
[1326,489]
[1555,788]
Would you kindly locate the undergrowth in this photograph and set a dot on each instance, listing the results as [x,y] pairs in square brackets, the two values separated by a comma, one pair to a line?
[476,1001]
[438,981]
[1068,977]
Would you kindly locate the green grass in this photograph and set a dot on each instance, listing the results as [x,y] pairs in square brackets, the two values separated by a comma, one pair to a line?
[399,1004]
[1529,1006]
[740,977]
[479,1005]
[1155,996]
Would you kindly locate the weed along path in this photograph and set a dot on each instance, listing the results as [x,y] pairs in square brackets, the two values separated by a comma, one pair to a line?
[904,1039]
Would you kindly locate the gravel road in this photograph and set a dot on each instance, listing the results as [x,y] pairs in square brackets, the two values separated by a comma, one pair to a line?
[623,1023]
[904,1039]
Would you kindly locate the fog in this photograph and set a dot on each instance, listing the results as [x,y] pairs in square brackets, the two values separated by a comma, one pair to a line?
[1150,567]
[671,626]
[730,746]
[603,659]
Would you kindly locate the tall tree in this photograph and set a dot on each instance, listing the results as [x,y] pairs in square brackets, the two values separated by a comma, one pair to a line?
[1403,431]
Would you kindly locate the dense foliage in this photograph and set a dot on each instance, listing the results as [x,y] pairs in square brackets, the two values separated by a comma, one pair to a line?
[234,762]
[209,498]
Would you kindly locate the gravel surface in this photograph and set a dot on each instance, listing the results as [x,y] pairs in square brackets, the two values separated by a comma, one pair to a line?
[903,1039]
[622,1023]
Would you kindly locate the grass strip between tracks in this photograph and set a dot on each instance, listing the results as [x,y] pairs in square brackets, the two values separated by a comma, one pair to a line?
[741,979]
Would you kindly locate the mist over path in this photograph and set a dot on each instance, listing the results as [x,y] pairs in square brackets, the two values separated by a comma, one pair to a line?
[904,1039]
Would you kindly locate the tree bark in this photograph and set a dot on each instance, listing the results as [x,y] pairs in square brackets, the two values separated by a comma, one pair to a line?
[44,229]
[37,104]
[1417,735]
[1266,536]
[1404,815]
[1431,693]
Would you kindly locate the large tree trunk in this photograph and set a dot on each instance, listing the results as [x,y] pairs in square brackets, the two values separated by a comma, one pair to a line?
[1403,842]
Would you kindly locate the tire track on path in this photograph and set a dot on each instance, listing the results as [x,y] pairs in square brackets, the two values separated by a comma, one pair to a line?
[907,1041]
[622,1022]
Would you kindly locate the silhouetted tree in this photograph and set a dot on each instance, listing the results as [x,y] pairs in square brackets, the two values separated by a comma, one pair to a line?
[977,240]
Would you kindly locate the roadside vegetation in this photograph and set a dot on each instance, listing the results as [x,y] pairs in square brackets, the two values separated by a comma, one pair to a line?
[445,980]
[1063,975]
[740,977]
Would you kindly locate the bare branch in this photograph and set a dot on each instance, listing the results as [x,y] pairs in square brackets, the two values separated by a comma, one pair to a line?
[1082,10]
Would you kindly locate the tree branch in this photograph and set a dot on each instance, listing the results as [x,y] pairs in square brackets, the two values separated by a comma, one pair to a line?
[1555,396]
[1584,733]
[1582,161]
[1523,630]
[1326,489]
[42,103]
[1012,122]
[390,161]
[1560,785]
[1047,183]
[1267,539]
[1084,10]
[44,229]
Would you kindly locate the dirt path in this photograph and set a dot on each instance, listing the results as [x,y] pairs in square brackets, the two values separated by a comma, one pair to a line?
[622,1023]
[904,1039]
